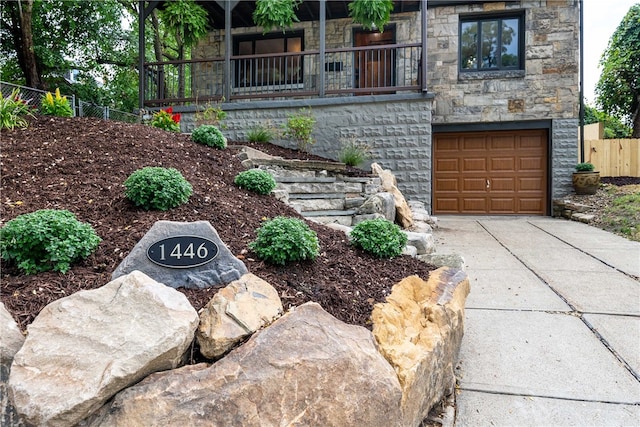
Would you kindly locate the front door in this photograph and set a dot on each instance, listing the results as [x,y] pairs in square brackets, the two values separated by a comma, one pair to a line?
[374,66]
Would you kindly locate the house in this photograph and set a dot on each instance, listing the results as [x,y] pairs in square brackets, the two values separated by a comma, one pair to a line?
[491,127]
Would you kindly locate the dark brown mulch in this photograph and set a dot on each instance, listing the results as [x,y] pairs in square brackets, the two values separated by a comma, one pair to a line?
[80,164]
[619,181]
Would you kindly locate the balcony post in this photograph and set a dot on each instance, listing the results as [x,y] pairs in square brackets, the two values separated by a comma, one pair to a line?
[423,57]
[321,55]
[226,91]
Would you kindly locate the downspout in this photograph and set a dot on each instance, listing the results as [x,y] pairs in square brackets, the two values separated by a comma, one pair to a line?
[323,28]
[423,57]
[581,113]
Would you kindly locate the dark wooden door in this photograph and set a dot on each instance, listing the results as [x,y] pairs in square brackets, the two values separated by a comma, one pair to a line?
[374,67]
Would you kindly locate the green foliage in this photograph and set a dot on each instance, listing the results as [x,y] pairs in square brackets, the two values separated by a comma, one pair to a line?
[46,240]
[56,105]
[354,153]
[585,167]
[300,127]
[613,128]
[283,240]
[187,20]
[275,13]
[156,188]
[256,180]
[371,14]
[209,135]
[623,216]
[261,133]
[379,237]
[13,111]
[618,90]
[166,120]
[213,114]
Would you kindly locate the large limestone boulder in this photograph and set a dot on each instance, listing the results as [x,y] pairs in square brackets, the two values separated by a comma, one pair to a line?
[404,216]
[83,349]
[419,330]
[235,312]
[223,269]
[306,369]
[380,203]
[11,339]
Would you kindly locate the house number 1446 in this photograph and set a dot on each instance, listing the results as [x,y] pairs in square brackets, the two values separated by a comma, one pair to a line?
[182,251]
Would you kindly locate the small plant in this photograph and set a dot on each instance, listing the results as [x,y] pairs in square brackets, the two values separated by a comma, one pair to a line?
[209,135]
[371,14]
[166,120]
[585,167]
[56,105]
[13,111]
[379,237]
[300,127]
[156,188]
[354,153]
[46,240]
[275,13]
[213,114]
[261,133]
[283,240]
[256,180]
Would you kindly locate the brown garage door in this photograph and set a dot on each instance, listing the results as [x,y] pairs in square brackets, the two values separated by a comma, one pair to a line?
[497,172]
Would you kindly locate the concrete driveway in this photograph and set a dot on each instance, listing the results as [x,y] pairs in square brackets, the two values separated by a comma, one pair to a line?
[552,329]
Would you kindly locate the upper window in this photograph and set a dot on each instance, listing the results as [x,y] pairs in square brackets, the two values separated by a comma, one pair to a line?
[273,64]
[491,43]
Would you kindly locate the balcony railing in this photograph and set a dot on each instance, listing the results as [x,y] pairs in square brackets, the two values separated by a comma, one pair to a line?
[347,72]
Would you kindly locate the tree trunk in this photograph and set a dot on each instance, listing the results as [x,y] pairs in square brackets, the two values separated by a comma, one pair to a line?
[31,72]
[635,123]
[157,49]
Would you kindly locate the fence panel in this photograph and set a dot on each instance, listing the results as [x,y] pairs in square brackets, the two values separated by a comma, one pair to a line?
[614,157]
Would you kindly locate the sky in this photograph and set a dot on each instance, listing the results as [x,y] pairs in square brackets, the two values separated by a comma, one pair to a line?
[601,18]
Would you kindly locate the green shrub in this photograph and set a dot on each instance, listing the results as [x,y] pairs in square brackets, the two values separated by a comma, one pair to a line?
[283,240]
[209,135]
[261,134]
[379,237]
[300,127]
[156,188]
[256,180]
[56,105]
[45,240]
[354,153]
[585,167]
[13,110]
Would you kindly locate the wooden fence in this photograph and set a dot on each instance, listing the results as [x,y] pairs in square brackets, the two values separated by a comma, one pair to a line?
[614,157]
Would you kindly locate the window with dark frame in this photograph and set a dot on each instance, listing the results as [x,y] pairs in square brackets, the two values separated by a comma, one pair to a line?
[271,68]
[491,43]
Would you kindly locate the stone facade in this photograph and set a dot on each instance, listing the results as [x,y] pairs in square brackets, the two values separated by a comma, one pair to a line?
[398,127]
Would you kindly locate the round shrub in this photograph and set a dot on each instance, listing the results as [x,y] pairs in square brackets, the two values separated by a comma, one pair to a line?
[256,180]
[209,135]
[284,239]
[379,237]
[47,239]
[156,188]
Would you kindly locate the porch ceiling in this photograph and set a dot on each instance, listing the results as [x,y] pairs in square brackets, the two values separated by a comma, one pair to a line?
[242,14]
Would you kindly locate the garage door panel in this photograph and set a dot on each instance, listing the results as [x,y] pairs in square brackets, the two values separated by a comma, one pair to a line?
[514,163]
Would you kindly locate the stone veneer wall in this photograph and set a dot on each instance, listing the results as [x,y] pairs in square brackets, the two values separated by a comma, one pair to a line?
[397,128]
[547,89]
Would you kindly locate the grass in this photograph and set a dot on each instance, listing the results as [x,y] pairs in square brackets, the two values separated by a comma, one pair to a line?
[623,216]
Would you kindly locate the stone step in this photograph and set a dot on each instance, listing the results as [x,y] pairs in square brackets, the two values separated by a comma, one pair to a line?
[313,196]
[321,187]
[350,212]
[310,205]
[304,179]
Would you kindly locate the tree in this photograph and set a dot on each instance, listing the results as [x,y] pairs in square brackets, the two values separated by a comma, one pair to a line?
[613,128]
[618,90]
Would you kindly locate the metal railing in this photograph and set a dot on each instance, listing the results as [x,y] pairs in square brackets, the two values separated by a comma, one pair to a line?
[347,72]
[80,108]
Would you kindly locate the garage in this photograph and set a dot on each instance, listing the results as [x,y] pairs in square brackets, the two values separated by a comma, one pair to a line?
[490,172]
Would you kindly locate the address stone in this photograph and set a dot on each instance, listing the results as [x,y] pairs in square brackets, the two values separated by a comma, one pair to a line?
[187,249]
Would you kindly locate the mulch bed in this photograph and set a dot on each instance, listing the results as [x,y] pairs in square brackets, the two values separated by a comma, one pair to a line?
[80,164]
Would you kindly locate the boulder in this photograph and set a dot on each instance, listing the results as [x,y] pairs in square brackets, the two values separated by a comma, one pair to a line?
[234,313]
[84,348]
[444,260]
[380,203]
[11,339]
[419,330]
[357,219]
[404,217]
[423,242]
[223,269]
[306,369]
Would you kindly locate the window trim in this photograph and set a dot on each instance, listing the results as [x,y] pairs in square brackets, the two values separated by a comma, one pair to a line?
[253,38]
[478,19]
